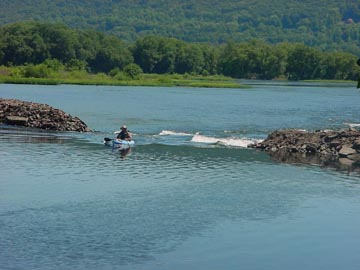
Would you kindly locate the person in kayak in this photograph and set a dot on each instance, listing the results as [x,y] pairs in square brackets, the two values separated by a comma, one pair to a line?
[124,134]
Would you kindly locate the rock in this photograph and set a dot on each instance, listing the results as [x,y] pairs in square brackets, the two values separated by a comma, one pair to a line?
[356,144]
[16,120]
[346,150]
[346,161]
[354,157]
[323,147]
[335,143]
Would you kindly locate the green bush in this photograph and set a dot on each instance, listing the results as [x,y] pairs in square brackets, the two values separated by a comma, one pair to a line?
[133,71]
[54,64]
[122,76]
[114,72]
[17,72]
[36,71]
[76,64]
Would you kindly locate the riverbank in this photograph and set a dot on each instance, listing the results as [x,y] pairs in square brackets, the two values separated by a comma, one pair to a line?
[158,80]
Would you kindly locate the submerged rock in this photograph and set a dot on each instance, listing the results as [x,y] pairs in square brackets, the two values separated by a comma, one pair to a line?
[37,115]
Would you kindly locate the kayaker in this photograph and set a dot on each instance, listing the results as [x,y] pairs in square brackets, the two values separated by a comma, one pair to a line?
[124,134]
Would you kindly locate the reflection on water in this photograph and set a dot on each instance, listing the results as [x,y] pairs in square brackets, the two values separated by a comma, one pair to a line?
[342,165]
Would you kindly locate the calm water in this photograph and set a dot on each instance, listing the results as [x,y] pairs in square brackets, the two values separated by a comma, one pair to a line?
[188,195]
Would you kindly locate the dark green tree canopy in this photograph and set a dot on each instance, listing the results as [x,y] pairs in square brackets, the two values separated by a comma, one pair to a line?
[326,24]
[43,46]
[33,42]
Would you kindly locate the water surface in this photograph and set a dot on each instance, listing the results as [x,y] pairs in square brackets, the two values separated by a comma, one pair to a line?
[188,195]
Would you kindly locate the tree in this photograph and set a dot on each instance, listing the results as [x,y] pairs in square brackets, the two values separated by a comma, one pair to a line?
[303,63]
[189,59]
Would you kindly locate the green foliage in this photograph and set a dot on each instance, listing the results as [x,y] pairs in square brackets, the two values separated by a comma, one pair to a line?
[36,71]
[161,55]
[133,71]
[34,43]
[303,63]
[111,54]
[122,76]
[252,60]
[114,72]
[76,64]
[83,53]
[328,25]
[54,64]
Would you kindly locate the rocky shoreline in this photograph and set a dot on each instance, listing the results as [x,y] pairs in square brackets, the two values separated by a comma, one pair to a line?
[37,115]
[322,146]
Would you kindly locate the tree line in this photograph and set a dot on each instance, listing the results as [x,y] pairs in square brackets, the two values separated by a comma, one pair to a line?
[328,25]
[33,43]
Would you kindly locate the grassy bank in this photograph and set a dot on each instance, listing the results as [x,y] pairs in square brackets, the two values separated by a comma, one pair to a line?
[155,80]
[330,81]
[83,78]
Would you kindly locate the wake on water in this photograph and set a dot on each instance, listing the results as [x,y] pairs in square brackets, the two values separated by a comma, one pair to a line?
[226,141]
[352,125]
[170,132]
[229,142]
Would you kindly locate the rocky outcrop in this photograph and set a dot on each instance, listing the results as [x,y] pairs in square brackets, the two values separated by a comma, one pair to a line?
[36,115]
[320,146]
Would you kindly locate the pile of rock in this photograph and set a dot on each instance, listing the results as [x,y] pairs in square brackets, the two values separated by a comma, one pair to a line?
[36,115]
[324,144]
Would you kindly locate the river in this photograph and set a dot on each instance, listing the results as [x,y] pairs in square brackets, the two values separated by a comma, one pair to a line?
[189,195]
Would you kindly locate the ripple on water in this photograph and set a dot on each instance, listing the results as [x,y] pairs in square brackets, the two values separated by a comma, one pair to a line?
[70,200]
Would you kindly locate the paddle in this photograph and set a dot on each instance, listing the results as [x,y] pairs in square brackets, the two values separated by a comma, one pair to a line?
[107,139]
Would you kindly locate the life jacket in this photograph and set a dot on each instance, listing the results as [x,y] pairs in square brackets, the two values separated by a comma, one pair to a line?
[123,135]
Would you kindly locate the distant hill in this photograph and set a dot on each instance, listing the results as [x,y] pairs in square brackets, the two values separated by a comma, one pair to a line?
[326,24]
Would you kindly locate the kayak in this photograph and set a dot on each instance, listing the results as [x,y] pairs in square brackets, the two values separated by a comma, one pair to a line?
[117,143]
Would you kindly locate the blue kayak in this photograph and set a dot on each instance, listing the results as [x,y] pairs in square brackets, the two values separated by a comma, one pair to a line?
[117,143]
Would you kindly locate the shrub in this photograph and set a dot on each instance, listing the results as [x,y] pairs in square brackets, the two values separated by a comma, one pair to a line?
[114,72]
[121,76]
[133,71]
[76,64]
[36,71]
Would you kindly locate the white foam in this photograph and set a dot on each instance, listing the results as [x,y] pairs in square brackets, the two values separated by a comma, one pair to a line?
[232,142]
[174,133]
[352,124]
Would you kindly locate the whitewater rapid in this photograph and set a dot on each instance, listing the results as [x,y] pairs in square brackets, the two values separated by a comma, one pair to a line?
[241,142]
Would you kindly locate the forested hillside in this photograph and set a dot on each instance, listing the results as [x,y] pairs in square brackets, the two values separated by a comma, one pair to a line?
[43,46]
[326,24]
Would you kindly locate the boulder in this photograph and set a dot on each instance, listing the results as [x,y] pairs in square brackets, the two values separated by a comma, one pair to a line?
[16,120]
[356,144]
[346,161]
[346,150]
[354,157]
